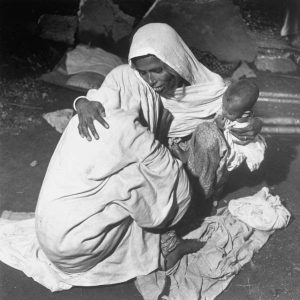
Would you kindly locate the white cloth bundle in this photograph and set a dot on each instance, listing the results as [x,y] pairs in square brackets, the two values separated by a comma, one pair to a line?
[261,211]
[88,59]
[253,153]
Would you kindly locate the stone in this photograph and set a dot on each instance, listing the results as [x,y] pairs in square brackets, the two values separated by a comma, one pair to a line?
[243,71]
[213,26]
[275,64]
[58,28]
[101,21]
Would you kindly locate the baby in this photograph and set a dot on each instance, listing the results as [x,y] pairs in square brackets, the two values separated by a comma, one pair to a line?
[238,101]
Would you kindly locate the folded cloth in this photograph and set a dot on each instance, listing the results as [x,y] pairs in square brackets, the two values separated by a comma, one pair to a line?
[262,211]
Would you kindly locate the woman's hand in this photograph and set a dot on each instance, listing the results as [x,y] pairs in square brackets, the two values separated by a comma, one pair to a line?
[88,112]
[248,133]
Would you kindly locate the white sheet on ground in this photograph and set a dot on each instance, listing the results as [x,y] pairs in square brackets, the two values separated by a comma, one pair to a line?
[230,244]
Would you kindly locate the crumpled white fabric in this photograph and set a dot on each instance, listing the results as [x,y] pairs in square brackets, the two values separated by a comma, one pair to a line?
[253,153]
[230,244]
[262,211]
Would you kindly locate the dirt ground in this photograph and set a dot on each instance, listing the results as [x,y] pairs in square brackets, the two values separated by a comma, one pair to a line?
[27,143]
[273,274]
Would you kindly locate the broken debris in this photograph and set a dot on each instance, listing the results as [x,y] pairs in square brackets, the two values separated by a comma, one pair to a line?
[59,119]
[58,28]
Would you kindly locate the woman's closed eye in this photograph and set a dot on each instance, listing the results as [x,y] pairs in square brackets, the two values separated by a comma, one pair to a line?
[142,73]
[156,70]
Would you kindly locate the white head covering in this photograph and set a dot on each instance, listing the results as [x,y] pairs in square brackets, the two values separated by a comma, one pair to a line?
[162,40]
[191,104]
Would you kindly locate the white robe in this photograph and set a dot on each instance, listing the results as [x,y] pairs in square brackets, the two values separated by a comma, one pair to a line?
[98,198]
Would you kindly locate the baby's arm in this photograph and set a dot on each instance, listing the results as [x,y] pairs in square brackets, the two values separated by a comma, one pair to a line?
[220,121]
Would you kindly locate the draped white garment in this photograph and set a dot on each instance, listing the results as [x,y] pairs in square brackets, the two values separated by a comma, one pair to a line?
[98,197]
[192,104]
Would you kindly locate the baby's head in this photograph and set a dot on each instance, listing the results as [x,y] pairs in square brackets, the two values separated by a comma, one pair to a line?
[239,97]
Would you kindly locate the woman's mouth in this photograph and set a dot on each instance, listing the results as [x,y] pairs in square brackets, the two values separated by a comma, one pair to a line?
[158,89]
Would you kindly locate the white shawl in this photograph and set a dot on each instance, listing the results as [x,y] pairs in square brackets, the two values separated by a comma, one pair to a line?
[190,104]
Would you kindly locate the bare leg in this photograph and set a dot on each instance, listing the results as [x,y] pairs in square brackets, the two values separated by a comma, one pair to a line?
[174,248]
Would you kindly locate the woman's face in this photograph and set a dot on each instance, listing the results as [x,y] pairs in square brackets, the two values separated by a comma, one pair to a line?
[157,75]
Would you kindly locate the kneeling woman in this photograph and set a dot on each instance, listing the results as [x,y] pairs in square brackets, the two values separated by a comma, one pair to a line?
[105,206]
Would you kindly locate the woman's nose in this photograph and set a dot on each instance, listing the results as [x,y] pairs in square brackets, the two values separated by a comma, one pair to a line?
[151,79]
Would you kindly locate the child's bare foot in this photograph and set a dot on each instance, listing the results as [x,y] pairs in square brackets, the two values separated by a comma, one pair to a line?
[183,247]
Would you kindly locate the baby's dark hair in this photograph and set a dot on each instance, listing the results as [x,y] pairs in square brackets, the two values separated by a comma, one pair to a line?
[244,90]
